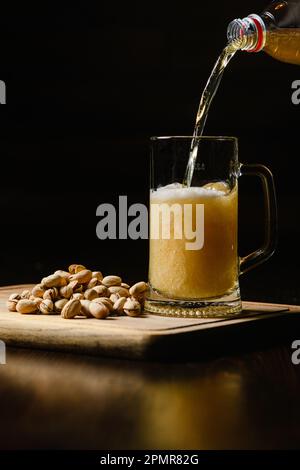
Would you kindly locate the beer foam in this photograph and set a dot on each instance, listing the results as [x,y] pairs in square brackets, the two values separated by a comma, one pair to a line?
[177,191]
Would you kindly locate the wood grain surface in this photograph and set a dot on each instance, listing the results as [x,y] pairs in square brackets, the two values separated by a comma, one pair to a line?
[146,336]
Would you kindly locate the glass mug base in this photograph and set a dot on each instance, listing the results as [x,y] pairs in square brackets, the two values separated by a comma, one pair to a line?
[220,307]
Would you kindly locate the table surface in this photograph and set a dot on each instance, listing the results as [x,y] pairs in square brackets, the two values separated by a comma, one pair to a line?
[50,400]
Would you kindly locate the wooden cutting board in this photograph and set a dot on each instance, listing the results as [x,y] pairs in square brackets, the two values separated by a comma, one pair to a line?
[149,336]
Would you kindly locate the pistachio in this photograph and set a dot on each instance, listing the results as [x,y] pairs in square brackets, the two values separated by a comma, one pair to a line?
[109,281]
[74,285]
[90,294]
[105,301]
[72,268]
[139,291]
[37,301]
[93,283]
[71,309]
[119,305]
[77,296]
[126,286]
[26,306]
[76,268]
[59,305]
[54,280]
[38,291]
[46,307]
[85,308]
[79,267]
[97,275]
[102,291]
[66,291]
[138,288]
[14,296]
[51,294]
[25,294]
[63,281]
[132,307]
[108,303]
[98,310]
[83,277]
[114,297]
[62,273]
[12,305]
[119,290]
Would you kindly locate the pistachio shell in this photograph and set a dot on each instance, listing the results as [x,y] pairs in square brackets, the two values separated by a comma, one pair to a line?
[66,291]
[105,301]
[14,296]
[37,301]
[51,294]
[119,305]
[12,305]
[54,280]
[77,296]
[71,309]
[132,307]
[119,290]
[83,277]
[59,305]
[46,307]
[25,294]
[76,268]
[114,297]
[26,306]
[138,288]
[62,273]
[93,283]
[38,291]
[98,310]
[102,291]
[90,294]
[97,275]
[127,286]
[109,281]
[85,308]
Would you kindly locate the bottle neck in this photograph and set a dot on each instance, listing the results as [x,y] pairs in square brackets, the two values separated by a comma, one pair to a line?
[249,34]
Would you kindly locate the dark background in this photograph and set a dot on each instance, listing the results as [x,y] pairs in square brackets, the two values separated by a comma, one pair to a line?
[88,85]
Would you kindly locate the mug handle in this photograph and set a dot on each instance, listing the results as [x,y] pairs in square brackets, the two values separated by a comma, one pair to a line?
[271,217]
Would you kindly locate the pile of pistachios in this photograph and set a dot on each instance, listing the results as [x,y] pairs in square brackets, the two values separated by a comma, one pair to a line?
[80,292]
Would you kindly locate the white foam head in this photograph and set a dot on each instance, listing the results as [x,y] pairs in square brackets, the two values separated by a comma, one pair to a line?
[177,191]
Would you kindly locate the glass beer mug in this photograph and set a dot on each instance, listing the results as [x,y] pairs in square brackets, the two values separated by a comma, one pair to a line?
[194,266]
